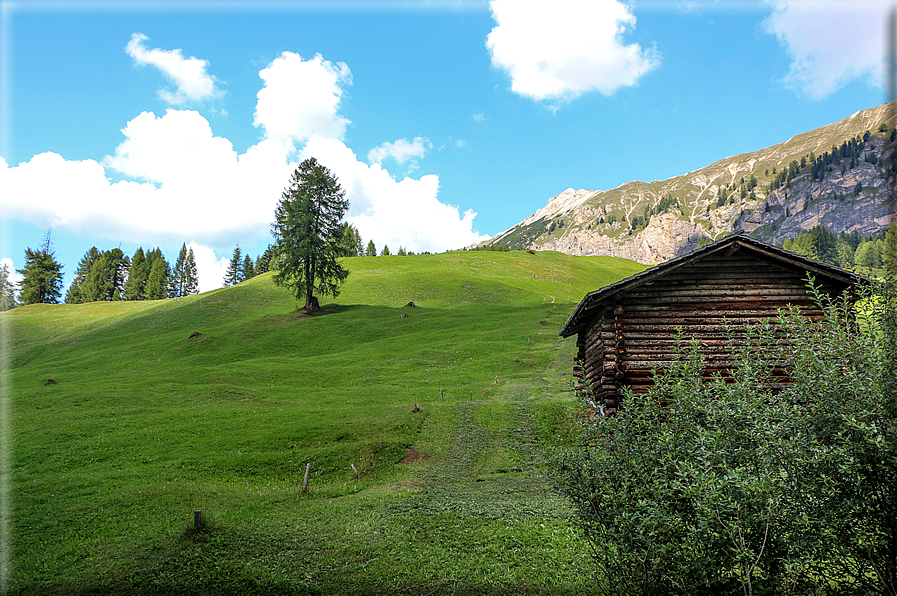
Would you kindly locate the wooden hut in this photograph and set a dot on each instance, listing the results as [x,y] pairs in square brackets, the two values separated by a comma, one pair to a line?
[628,328]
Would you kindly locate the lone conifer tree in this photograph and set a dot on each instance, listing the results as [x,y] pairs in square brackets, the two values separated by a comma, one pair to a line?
[306,232]
[42,275]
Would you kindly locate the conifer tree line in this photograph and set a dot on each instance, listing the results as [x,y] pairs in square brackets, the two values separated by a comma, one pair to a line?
[874,255]
[112,275]
[243,267]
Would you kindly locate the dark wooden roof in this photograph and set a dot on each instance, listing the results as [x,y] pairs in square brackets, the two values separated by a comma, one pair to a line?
[734,243]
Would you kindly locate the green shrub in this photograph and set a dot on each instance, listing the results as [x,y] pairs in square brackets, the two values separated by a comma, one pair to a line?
[731,488]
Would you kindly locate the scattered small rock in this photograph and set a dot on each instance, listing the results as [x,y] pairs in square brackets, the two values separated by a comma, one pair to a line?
[194,334]
[403,316]
[50,382]
[412,304]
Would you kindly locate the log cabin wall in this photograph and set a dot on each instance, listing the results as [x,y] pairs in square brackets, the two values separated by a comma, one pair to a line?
[635,331]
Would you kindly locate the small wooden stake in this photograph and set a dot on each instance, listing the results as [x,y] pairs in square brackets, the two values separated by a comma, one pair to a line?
[415,409]
[354,470]
[197,519]
[305,480]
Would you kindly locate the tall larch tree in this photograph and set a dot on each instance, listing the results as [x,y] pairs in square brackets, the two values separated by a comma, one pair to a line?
[306,230]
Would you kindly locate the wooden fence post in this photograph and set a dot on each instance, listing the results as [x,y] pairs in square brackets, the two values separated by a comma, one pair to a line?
[305,480]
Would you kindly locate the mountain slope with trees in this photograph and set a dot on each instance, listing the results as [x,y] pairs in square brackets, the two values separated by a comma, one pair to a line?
[834,176]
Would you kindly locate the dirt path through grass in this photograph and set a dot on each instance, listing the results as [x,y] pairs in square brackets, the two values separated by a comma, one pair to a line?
[491,469]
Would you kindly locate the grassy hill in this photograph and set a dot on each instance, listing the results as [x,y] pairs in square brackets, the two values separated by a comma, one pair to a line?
[127,417]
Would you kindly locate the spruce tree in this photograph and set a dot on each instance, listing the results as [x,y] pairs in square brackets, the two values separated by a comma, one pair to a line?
[42,275]
[191,275]
[385,252]
[371,250]
[74,294]
[157,282]
[135,287]
[234,274]
[178,274]
[248,268]
[263,262]
[306,230]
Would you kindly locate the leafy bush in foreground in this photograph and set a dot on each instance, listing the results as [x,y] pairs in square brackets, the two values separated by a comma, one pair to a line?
[716,488]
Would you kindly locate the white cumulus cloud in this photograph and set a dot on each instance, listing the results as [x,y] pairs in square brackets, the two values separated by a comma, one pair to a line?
[557,51]
[189,75]
[403,212]
[192,184]
[14,277]
[209,268]
[181,181]
[301,98]
[400,151]
[830,43]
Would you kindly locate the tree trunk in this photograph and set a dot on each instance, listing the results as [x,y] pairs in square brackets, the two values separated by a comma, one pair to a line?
[311,304]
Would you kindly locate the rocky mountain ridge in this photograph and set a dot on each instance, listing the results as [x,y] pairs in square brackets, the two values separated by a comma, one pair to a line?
[836,176]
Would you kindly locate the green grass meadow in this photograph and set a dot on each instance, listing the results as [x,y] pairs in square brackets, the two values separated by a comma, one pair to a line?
[127,417]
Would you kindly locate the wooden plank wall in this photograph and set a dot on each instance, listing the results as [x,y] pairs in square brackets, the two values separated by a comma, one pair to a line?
[638,331]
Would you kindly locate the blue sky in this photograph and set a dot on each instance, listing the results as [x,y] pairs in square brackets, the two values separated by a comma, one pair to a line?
[160,123]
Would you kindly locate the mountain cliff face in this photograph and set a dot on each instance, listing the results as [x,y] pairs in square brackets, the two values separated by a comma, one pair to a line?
[836,176]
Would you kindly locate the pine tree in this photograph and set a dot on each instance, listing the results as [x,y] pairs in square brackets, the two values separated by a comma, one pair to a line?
[234,274]
[371,250]
[74,294]
[179,275]
[385,252]
[191,275]
[157,282]
[248,268]
[263,262]
[135,288]
[42,275]
[7,289]
[306,231]
[350,240]
[107,277]
[402,252]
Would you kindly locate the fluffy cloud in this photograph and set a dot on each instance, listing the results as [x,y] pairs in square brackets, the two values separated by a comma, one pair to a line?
[14,277]
[210,268]
[189,75]
[301,98]
[194,185]
[401,151]
[388,211]
[559,51]
[180,181]
[830,43]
